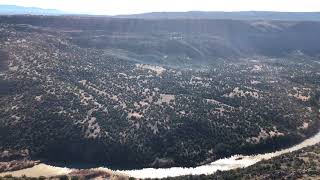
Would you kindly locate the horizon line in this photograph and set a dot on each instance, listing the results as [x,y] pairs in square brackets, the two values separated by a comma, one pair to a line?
[148,12]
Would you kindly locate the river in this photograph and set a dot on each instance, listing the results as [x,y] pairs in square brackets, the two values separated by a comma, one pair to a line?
[236,161]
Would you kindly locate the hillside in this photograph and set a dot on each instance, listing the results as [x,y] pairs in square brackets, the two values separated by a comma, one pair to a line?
[184,42]
[155,93]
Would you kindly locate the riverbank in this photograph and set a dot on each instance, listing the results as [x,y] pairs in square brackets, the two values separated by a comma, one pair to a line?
[234,162]
[301,164]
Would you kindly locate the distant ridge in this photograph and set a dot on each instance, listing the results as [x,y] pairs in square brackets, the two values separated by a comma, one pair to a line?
[237,15]
[241,15]
[19,10]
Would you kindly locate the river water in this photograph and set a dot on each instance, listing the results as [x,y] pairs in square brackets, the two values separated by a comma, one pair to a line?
[237,161]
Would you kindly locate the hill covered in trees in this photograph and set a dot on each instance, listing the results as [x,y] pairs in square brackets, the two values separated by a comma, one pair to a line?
[143,93]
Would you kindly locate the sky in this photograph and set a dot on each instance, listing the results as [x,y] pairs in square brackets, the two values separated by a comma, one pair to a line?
[116,7]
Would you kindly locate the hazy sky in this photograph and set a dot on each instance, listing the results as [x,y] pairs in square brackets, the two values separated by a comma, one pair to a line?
[112,7]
